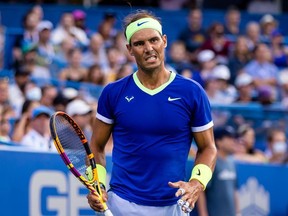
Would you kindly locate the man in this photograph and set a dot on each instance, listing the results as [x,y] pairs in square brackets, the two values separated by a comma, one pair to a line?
[38,137]
[153,116]
[220,196]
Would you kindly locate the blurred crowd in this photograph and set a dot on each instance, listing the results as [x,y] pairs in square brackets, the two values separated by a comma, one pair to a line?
[233,65]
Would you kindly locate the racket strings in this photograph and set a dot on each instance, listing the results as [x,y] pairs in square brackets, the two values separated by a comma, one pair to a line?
[72,144]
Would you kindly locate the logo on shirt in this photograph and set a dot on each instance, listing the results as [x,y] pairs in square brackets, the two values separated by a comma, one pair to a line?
[139,24]
[129,99]
[173,99]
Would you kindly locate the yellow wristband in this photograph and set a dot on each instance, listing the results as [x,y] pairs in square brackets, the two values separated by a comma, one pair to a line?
[101,174]
[202,173]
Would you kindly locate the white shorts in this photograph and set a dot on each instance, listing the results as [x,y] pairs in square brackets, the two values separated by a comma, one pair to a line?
[121,207]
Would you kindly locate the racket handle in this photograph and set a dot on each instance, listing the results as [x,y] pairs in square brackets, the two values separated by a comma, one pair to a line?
[108,213]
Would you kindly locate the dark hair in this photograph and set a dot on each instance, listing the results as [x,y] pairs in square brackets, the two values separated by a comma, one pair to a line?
[139,14]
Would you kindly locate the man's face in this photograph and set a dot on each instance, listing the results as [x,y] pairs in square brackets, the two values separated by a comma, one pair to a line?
[148,48]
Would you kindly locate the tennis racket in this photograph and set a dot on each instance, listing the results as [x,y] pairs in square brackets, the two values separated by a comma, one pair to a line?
[74,150]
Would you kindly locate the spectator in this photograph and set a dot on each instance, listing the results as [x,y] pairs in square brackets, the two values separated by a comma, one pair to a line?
[107,28]
[283,83]
[239,57]
[218,42]
[22,123]
[29,37]
[178,58]
[267,24]
[4,92]
[74,71]
[245,89]
[194,35]
[45,50]
[96,53]
[227,91]
[276,148]
[114,63]
[17,89]
[245,150]
[80,111]
[263,72]
[125,70]
[48,95]
[96,75]
[6,115]
[207,61]
[232,22]
[38,137]
[253,34]
[80,21]
[66,28]
[220,196]
[279,50]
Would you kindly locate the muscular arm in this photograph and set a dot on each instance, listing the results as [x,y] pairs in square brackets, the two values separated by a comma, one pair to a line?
[207,152]
[100,136]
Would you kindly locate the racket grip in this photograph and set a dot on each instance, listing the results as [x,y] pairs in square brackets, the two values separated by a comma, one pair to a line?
[108,213]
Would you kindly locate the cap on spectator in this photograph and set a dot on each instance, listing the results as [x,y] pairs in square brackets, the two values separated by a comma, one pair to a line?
[41,110]
[243,79]
[221,72]
[205,56]
[224,131]
[78,107]
[79,14]
[70,93]
[283,77]
[267,18]
[45,24]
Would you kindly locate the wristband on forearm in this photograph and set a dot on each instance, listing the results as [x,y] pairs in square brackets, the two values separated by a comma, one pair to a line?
[101,174]
[202,173]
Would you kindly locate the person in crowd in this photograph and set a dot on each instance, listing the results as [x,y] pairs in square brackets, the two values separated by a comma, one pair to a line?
[263,72]
[96,75]
[7,114]
[81,111]
[195,34]
[178,110]
[74,71]
[48,94]
[221,195]
[245,89]
[228,92]
[29,37]
[253,34]
[283,87]
[239,57]
[17,88]
[276,149]
[245,149]
[38,137]
[4,92]
[96,53]
[177,57]
[267,25]
[66,28]
[23,123]
[279,50]
[45,50]
[232,22]
[206,61]
[80,21]
[218,42]
[114,63]
[107,28]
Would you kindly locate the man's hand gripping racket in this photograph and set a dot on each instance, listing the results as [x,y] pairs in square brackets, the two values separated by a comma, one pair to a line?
[74,150]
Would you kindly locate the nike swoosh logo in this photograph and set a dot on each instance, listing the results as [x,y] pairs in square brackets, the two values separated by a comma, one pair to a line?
[198,173]
[173,99]
[139,24]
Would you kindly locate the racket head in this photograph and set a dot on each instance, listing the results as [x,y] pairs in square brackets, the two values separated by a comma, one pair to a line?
[73,147]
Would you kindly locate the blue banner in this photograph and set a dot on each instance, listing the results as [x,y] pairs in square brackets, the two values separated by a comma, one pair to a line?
[38,183]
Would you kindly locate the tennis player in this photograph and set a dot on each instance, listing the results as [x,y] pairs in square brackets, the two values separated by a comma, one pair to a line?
[153,116]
